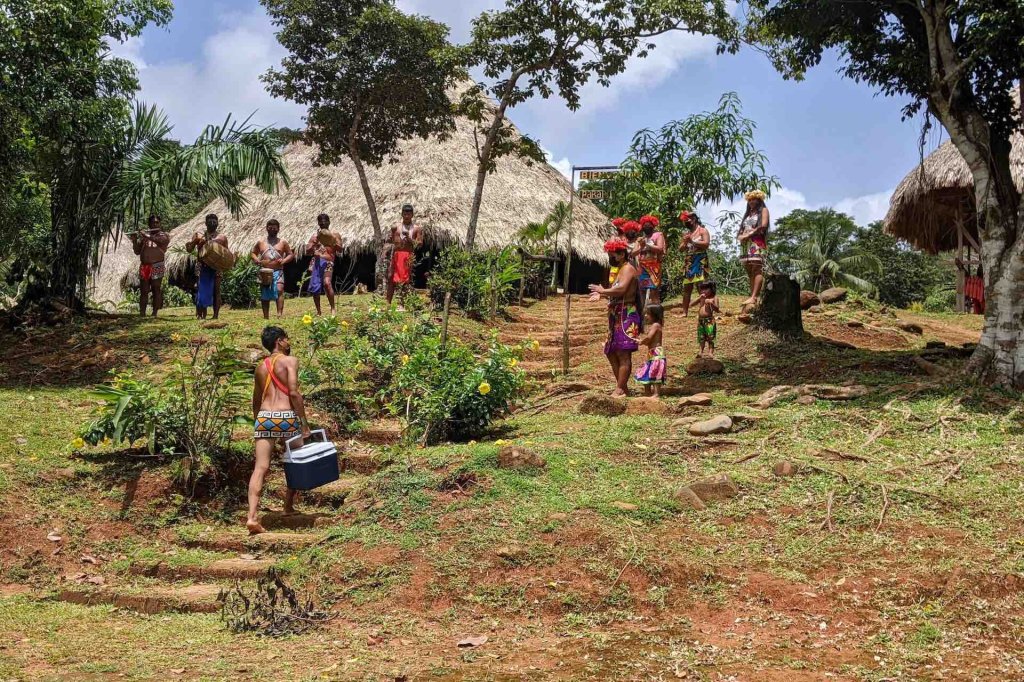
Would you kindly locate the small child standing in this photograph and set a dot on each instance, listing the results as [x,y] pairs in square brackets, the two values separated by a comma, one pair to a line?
[707,306]
[652,375]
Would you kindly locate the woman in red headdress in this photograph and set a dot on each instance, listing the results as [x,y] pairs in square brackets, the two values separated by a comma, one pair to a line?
[624,322]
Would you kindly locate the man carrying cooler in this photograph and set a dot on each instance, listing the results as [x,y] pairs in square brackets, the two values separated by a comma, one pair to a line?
[279,413]
[151,248]
[405,238]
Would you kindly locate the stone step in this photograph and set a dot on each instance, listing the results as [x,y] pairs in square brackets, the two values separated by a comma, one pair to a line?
[333,494]
[380,435]
[220,569]
[241,542]
[199,598]
[364,463]
[298,521]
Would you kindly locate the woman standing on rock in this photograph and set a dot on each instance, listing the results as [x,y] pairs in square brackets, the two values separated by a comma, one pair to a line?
[753,242]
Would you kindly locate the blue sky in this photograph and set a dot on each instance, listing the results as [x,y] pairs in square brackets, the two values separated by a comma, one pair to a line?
[831,142]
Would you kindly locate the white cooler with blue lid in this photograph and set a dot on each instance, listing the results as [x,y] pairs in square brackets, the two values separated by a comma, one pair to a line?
[313,465]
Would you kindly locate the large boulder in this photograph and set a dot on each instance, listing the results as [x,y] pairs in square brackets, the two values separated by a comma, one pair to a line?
[705,366]
[833,295]
[602,405]
[517,457]
[719,424]
[808,299]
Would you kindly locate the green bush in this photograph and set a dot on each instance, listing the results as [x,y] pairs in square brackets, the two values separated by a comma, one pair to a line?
[452,393]
[481,283]
[174,297]
[189,415]
[240,286]
[940,300]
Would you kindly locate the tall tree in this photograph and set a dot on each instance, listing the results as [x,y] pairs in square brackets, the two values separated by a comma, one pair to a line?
[962,61]
[825,254]
[543,47]
[95,163]
[370,75]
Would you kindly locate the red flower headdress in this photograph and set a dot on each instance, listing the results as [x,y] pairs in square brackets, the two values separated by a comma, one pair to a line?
[631,227]
[618,223]
[613,245]
[651,220]
[689,219]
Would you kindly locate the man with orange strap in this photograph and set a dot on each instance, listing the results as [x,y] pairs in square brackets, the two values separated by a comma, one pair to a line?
[405,238]
[279,413]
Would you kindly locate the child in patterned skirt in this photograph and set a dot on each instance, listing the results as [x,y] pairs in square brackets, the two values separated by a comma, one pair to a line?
[652,374]
[707,306]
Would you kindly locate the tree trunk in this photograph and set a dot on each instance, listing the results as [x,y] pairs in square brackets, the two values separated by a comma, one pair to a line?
[779,308]
[371,203]
[484,159]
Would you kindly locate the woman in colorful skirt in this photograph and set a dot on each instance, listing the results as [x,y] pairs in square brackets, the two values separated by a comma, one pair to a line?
[652,375]
[695,243]
[649,258]
[753,236]
[624,324]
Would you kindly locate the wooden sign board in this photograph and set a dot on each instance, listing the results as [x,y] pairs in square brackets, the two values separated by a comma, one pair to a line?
[592,194]
[598,175]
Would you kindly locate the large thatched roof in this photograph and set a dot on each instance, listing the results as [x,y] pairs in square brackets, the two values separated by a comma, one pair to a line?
[928,203]
[436,177]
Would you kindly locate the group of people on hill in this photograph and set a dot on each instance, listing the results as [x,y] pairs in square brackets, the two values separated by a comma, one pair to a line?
[635,315]
[270,254]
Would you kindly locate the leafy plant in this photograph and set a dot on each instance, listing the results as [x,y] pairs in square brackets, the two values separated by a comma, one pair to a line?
[449,392]
[826,255]
[240,286]
[481,283]
[189,415]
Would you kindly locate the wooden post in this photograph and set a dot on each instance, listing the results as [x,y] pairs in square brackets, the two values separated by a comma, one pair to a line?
[522,277]
[565,285]
[444,319]
[961,278]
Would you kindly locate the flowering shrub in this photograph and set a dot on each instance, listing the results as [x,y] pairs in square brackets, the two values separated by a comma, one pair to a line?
[481,283]
[453,393]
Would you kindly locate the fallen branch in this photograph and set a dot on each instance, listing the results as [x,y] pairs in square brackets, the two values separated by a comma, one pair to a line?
[628,561]
[836,455]
[827,523]
[885,508]
[952,473]
[879,431]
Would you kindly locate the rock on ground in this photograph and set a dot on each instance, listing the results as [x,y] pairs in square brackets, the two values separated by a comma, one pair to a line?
[833,295]
[808,299]
[695,400]
[820,391]
[783,469]
[602,405]
[719,424]
[910,327]
[815,309]
[705,366]
[646,405]
[699,493]
[517,457]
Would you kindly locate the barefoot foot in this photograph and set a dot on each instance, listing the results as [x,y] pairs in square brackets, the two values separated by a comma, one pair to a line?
[254,527]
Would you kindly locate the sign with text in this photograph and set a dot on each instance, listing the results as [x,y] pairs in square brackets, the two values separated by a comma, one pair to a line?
[598,175]
[592,194]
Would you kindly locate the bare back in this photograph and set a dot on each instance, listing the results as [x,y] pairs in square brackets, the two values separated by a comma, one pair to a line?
[272,397]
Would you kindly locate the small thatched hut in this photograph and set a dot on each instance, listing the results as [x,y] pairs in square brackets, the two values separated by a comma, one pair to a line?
[933,209]
[437,177]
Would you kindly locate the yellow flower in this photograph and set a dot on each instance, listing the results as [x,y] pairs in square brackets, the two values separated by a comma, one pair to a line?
[344,324]
[535,345]
[472,442]
[512,362]
[78,443]
[484,388]
[176,337]
[307,319]
[405,359]
[405,328]
[500,442]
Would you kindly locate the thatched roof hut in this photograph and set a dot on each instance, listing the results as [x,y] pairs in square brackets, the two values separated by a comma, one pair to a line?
[437,177]
[938,195]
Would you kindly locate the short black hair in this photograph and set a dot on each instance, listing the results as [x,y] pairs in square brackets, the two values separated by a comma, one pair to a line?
[657,312]
[708,284]
[211,215]
[273,221]
[407,207]
[152,217]
[323,215]
[271,335]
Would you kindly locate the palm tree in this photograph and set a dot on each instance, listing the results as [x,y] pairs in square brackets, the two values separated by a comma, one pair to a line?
[827,258]
[105,185]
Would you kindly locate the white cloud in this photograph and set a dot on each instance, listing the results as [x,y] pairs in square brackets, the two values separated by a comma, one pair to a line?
[866,209]
[563,165]
[130,49]
[223,78]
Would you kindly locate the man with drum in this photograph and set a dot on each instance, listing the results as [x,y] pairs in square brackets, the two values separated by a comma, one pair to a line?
[324,246]
[271,255]
[208,290]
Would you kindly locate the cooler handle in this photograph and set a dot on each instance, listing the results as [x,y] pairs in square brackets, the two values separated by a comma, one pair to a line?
[288,443]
